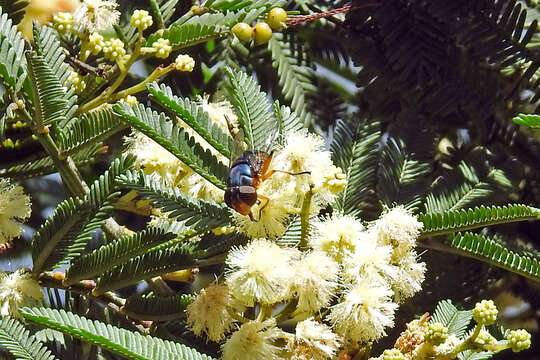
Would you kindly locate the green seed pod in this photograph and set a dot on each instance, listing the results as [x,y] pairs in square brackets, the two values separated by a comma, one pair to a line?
[276,18]
[261,33]
[242,31]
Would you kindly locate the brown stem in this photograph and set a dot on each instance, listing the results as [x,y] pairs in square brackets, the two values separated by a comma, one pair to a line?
[293,20]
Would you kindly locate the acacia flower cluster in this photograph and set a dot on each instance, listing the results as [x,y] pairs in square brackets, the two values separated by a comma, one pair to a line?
[14,206]
[339,292]
[18,289]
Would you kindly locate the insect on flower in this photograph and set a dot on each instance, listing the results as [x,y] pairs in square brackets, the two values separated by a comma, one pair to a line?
[246,174]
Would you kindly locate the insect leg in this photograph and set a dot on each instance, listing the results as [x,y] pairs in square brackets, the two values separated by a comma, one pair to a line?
[266,200]
[271,172]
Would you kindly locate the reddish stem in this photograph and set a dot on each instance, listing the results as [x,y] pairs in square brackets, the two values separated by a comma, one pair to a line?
[293,20]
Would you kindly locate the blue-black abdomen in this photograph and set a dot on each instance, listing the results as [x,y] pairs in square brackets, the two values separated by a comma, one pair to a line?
[240,173]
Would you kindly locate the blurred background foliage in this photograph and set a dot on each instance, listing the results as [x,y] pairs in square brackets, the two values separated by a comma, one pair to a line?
[438,80]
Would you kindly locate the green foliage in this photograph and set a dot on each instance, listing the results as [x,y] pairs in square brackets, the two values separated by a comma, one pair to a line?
[48,93]
[45,165]
[51,241]
[157,308]
[355,150]
[176,140]
[288,121]
[88,130]
[295,79]
[163,10]
[253,109]
[530,120]
[497,253]
[461,220]
[115,253]
[455,320]
[194,115]
[18,341]
[15,9]
[128,344]
[187,35]
[12,61]
[146,266]
[48,46]
[66,233]
[197,214]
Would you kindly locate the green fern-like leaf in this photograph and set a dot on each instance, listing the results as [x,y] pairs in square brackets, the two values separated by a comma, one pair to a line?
[157,308]
[48,94]
[495,253]
[91,128]
[253,109]
[293,233]
[176,140]
[530,120]
[48,46]
[12,61]
[45,165]
[187,35]
[295,80]
[457,198]
[194,116]
[115,253]
[466,219]
[146,266]
[130,345]
[198,214]
[399,177]
[212,245]
[16,339]
[455,320]
[356,152]
[163,10]
[288,121]
[50,242]
[15,9]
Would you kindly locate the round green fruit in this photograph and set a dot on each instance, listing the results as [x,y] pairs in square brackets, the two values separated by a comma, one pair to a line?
[261,33]
[242,31]
[276,18]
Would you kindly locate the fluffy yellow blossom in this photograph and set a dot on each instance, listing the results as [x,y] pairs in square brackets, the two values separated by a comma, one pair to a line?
[365,311]
[220,113]
[254,340]
[313,341]
[447,347]
[336,235]
[304,151]
[163,48]
[368,258]
[315,281]
[97,15]
[153,158]
[210,312]
[141,19]
[18,289]
[409,277]
[196,186]
[399,229]
[184,63]
[260,272]
[14,206]
[270,221]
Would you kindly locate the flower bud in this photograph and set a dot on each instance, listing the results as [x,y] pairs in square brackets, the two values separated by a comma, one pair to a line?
[436,334]
[485,312]
[519,340]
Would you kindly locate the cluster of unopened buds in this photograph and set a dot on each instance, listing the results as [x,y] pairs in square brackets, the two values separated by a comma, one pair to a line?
[89,22]
[424,339]
[262,31]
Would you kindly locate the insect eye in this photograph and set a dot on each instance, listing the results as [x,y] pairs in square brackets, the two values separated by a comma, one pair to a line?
[247,194]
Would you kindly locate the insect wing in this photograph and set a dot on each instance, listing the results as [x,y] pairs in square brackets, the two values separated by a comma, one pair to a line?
[237,146]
